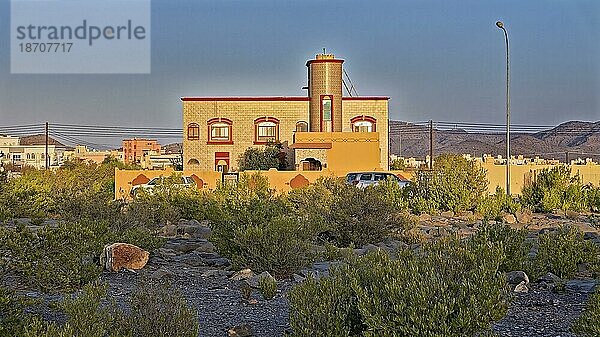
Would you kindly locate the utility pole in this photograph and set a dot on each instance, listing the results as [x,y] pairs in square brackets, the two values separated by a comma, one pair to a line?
[567,157]
[431,144]
[46,157]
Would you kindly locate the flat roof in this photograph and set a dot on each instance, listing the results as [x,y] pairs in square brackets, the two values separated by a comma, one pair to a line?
[274,98]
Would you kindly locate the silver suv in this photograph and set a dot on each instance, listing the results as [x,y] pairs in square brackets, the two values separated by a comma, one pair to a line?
[178,182]
[364,179]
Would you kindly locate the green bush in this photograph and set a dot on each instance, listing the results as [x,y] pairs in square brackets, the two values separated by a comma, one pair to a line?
[512,241]
[158,310]
[267,287]
[555,188]
[11,314]
[279,246]
[64,257]
[450,288]
[493,206]
[455,184]
[154,310]
[271,156]
[588,324]
[562,250]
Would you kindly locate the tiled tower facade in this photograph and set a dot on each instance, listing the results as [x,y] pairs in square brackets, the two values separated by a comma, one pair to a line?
[325,93]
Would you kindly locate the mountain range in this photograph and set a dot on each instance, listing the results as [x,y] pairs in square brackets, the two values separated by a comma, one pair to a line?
[572,139]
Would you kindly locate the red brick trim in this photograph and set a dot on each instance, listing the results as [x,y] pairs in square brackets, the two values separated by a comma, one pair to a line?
[363,118]
[244,99]
[309,62]
[215,142]
[366,98]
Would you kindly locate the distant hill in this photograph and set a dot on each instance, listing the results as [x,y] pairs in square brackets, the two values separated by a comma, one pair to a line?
[579,139]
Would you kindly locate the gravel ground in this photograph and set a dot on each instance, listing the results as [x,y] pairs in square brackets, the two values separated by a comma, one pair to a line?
[541,312]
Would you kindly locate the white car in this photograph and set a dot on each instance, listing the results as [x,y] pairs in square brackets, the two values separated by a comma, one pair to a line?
[364,179]
[182,182]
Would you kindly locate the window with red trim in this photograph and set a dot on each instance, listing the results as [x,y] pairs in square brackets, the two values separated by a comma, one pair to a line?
[193,131]
[219,130]
[266,129]
[363,124]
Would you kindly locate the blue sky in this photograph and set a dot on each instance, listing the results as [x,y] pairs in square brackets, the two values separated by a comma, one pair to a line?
[436,59]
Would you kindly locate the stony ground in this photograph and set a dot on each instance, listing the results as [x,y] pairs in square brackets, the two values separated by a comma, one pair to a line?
[190,262]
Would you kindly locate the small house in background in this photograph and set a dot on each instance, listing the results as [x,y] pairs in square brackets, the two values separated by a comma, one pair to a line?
[135,149]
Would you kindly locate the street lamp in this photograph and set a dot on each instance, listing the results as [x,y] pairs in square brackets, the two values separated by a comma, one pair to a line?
[500,25]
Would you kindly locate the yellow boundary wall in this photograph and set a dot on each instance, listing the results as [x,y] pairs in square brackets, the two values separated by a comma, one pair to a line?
[284,181]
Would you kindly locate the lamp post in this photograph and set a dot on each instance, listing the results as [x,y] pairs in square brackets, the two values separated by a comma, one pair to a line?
[500,25]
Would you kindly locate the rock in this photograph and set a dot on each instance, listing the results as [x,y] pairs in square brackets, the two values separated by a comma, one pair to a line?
[168,230]
[549,278]
[516,277]
[217,273]
[243,274]
[162,273]
[206,247]
[217,262]
[193,259]
[254,280]
[571,214]
[188,245]
[425,217]
[581,286]
[523,216]
[370,247]
[521,288]
[193,229]
[447,214]
[509,218]
[243,330]
[123,255]
[298,278]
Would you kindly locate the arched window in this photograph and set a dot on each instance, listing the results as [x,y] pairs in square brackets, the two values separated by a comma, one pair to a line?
[266,129]
[193,161]
[302,126]
[193,131]
[363,124]
[219,131]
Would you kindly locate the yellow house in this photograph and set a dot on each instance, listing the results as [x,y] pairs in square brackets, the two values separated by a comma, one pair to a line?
[323,130]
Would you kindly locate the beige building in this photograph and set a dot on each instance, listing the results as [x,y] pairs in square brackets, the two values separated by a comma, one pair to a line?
[13,151]
[217,130]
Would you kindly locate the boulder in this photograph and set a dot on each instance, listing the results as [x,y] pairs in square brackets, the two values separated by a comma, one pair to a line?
[117,256]
[521,288]
[243,274]
[425,217]
[447,214]
[509,218]
[517,277]
[168,230]
[581,286]
[523,216]
[253,281]
[549,278]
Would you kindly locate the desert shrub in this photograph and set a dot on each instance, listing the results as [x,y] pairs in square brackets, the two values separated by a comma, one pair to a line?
[512,241]
[56,258]
[588,324]
[154,310]
[325,307]
[252,226]
[158,309]
[12,314]
[279,246]
[492,206]
[561,251]
[455,184]
[555,188]
[450,288]
[392,193]
[64,257]
[267,287]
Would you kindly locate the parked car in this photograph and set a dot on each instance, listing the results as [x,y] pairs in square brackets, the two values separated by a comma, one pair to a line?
[364,179]
[180,182]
